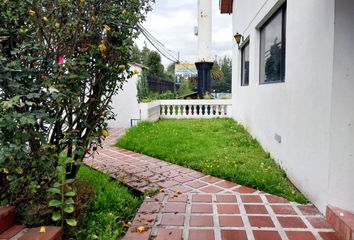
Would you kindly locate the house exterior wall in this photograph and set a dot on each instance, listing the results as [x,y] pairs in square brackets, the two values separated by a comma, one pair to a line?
[125,104]
[341,174]
[299,109]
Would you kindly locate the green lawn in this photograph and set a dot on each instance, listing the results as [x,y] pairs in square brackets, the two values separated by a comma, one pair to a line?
[111,206]
[218,147]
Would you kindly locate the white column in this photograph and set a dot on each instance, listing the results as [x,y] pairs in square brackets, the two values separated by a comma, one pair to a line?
[204,30]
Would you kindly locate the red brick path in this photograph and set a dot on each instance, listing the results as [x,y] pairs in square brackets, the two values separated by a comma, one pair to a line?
[198,207]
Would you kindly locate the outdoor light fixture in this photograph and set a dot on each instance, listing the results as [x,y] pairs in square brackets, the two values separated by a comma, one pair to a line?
[238,38]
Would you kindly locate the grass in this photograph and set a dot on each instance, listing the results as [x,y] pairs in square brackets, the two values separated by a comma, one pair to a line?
[112,205]
[218,147]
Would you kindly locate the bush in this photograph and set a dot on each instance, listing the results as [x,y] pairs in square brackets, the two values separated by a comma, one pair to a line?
[60,64]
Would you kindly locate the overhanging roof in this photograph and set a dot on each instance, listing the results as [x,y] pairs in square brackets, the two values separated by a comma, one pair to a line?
[226,6]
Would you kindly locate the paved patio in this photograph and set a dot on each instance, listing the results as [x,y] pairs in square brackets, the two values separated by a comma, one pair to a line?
[194,206]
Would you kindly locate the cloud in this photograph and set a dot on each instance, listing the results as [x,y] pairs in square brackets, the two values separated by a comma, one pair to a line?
[172,23]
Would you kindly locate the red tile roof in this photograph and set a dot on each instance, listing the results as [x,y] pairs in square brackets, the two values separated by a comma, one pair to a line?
[226,6]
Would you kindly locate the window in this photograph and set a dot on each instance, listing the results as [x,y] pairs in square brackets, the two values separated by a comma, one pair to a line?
[272,62]
[245,64]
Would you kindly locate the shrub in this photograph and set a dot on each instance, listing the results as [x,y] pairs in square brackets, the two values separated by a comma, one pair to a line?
[60,64]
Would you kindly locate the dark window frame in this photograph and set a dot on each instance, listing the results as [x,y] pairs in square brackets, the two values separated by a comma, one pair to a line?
[283,9]
[243,48]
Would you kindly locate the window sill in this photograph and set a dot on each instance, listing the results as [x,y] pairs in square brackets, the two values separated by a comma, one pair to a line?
[266,83]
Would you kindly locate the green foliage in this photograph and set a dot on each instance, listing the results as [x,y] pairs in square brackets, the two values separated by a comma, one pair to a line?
[216,74]
[152,96]
[218,147]
[222,75]
[155,68]
[63,194]
[58,71]
[113,205]
[143,87]
[185,88]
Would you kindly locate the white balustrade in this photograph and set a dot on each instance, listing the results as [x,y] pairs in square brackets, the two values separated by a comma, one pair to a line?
[178,109]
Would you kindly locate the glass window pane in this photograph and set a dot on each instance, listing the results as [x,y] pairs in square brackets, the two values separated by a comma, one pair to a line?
[272,56]
[245,65]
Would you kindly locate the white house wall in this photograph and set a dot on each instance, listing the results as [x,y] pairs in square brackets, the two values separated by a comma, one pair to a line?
[341,192]
[299,109]
[125,103]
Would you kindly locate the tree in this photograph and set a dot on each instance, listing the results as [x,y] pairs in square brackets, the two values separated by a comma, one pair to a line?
[143,86]
[185,88]
[216,74]
[60,64]
[222,84]
[155,67]
[136,55]
[170,72]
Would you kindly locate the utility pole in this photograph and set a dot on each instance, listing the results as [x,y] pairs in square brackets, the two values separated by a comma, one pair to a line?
[204,62]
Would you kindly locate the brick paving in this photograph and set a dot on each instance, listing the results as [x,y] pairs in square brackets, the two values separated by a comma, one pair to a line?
[192,205]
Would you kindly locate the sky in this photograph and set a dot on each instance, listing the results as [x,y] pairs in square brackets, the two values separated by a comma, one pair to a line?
[172,22]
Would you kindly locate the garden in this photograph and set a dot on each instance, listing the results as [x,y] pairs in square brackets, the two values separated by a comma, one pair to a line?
[60,64]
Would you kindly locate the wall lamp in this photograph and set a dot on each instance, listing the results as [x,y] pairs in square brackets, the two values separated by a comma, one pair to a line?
[238,38]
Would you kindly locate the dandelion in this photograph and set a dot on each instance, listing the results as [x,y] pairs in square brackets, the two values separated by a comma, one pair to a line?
[102,47]
[107,28]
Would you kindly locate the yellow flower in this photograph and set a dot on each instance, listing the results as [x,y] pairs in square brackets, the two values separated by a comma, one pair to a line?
[104,133]
[107,27]
[102,47]
[42,230]
[45,19]
[31,12]
[136,71]
[141,229]
[6,171]
[122,67]
[57,25]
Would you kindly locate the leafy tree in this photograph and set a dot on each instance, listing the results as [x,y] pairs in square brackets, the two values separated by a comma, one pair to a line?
[273,62]
[145,54]
[60,64]
[136,54]
[185,88]
[222,80]
[143,86]
[155,67]
[170,72]
[216,73]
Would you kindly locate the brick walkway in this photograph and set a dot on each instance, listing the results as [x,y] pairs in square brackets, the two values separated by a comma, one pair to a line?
[194,206]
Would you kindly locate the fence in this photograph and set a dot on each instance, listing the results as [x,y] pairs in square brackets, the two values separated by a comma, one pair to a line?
[178,109]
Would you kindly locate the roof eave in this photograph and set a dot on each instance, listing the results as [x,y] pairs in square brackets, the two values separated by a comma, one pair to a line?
[226,6]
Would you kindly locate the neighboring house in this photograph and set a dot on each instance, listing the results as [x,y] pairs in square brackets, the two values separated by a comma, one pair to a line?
[293,88]
[125,104]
